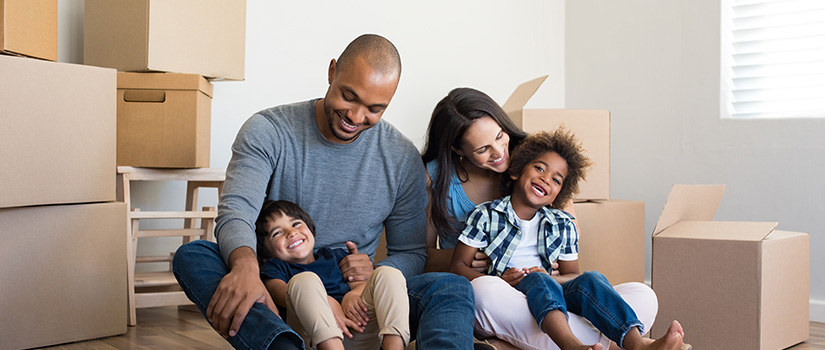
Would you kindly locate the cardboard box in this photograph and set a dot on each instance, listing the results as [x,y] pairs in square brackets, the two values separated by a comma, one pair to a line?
[612,239]
[58,133]
[29,28]
[592,128]
[64,273]
[732,285]
[204,37]
[163,120]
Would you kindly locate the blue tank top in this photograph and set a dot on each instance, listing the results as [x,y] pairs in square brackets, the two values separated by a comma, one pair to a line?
[458,206]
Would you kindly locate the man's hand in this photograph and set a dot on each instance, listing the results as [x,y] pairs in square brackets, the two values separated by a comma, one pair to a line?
[355,310]
[513,276]
[355,266]
[480,262]
[237,292]
[343,322]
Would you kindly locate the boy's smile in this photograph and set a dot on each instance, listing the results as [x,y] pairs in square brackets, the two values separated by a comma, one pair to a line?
[289,239]
[538,184]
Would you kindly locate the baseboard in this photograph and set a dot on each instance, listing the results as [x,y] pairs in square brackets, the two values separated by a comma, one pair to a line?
[817,311]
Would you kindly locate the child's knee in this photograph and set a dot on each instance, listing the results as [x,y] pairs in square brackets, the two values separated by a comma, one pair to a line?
[591,278]
[303,280]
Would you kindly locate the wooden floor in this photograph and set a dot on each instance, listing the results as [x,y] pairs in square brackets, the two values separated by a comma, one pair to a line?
[170,328]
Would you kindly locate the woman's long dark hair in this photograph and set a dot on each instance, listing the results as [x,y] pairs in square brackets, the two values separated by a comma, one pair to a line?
[450,120]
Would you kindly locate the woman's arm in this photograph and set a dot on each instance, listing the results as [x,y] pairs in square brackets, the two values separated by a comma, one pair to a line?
[462,260]
[568,270]
[438,259]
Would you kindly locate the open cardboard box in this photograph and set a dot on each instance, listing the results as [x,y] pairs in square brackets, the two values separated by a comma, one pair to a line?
[732,285]
[29,28]
[163,120]
[591,127]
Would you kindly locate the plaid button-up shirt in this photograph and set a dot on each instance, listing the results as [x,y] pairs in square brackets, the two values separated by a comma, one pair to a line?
[495,226]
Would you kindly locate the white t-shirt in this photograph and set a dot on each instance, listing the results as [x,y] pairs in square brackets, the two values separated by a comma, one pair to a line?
[527,253]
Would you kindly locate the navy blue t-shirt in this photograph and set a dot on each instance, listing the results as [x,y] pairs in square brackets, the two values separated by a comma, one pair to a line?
[325,266]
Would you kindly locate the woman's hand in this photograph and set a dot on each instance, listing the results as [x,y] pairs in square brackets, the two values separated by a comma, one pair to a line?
[513,276]
[342,321]
[480,262]
[355,310]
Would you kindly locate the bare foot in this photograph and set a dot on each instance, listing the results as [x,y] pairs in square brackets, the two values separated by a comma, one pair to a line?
[672,340]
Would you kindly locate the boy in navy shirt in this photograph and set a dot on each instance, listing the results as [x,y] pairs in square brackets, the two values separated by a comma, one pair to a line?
[320,305]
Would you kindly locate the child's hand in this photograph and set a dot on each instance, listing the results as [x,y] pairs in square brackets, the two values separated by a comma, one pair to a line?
[340,319]
[555,267]
[355,310]
[536,269]
[513,276]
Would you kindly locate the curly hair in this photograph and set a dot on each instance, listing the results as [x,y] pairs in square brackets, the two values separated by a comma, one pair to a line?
[565,144]
[271,209]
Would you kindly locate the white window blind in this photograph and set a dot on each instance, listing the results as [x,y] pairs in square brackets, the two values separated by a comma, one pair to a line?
[773,59]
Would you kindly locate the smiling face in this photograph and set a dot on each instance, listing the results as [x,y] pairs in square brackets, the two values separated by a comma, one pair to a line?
[355,101]
[485,145]
[289,239]
[538,184]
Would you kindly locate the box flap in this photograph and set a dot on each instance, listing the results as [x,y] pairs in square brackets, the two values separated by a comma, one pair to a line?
[690,202]
[722,230]
[522,94]
[164,81]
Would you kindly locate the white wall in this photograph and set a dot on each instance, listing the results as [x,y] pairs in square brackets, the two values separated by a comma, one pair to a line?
[655,65]
[489,45]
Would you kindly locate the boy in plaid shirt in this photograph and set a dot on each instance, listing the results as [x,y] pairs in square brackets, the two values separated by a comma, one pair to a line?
[523,234]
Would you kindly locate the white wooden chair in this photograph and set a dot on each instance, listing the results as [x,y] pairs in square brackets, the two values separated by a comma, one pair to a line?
[153,289]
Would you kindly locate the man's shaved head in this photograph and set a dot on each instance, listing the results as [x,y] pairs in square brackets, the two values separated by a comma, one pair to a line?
[379,53]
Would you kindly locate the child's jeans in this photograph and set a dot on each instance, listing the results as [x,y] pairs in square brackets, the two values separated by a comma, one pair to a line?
[589,295]
[385,296]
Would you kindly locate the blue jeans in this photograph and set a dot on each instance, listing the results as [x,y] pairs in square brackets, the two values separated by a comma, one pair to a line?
[589,295]
[441,305]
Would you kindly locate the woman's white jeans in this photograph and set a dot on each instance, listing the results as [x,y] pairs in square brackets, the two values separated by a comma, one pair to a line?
[502,311]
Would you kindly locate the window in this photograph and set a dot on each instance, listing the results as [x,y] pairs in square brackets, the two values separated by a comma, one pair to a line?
[773,59]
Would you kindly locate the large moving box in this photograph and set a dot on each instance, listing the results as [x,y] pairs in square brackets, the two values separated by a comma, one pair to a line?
[29,28]
[163,120]
[732,285]
[63,273]
[204,37]
[58,133]
[592,128]
[612,239]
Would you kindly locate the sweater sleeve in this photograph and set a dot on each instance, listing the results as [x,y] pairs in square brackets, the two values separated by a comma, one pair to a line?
[247,177]
[406,226]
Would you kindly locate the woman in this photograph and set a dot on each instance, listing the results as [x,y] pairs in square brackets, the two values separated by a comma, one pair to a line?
[468,148]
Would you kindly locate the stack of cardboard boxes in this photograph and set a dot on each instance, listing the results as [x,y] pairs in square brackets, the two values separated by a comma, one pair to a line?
[65,129]
[611,231]
[165,52]
[62,265]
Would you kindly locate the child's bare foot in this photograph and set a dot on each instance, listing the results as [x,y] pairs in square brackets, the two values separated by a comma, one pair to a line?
[672,340]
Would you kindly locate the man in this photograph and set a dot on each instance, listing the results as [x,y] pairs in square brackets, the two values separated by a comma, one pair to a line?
[356,175]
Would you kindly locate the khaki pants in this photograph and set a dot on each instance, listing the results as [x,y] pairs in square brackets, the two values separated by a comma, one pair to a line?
[385,296]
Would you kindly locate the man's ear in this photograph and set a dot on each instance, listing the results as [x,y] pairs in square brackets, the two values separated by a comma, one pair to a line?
[331,72]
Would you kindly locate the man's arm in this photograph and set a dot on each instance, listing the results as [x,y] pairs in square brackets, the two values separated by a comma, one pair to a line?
[236,293]
[406,226]
[247,177]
